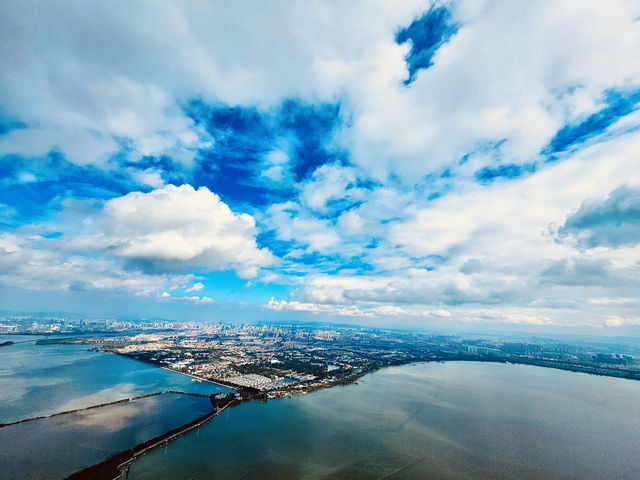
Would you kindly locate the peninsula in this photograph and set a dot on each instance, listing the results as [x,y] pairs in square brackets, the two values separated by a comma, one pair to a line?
[270,361]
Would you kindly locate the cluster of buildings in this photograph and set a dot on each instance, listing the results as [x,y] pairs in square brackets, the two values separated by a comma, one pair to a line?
[289,358]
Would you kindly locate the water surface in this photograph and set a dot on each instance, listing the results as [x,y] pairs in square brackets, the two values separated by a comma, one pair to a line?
[45,379]
[56,447]
[425,421]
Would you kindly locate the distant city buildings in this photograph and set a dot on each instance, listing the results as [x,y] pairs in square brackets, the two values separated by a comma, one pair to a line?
[285,359]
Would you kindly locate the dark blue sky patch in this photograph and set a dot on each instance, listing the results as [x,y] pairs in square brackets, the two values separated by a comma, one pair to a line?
[427,34]
[336,207]
[55,179]
[313,127]
[314,259]
[488,175]
[619,103]
[354,265]
[7,126]
[170,171]
[436,184]
[8,122]
[368,184]
[334,264]
[243,137]
[270,240]
[233,177]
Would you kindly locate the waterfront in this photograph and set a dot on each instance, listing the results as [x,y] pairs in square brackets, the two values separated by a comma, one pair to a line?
[44,379]
[441,421]
[429,420]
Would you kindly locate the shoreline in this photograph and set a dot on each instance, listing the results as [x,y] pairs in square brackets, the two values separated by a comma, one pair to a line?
[599,370]
[234,388]
[113,468]
[608,372]
[169,436]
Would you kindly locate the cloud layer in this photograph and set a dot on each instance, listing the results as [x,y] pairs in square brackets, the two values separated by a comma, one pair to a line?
[416,162]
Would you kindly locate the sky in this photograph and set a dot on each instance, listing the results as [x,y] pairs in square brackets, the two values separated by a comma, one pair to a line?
[402,163]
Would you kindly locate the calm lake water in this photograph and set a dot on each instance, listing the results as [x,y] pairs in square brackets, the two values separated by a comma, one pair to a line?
[44,379]
[429,421]
[56,447]
[425,421]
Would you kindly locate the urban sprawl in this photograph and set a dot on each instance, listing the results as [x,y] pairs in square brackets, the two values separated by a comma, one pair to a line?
[276,360]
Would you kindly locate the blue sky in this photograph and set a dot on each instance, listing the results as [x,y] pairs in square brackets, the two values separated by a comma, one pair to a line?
[426,164]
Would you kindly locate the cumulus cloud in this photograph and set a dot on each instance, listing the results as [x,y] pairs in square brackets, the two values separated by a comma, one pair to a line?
[196,287]
[139,243]
[617,321]
[34,263]
[90,100]
[611,222]
[174,228]
[489,246]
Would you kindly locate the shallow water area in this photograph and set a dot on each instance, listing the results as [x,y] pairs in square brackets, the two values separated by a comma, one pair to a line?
[438,421]
[44,379]
[57,446]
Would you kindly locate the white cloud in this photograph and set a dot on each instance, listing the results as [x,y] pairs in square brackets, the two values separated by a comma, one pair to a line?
[293,224]
[187,298]
[196,299]
[87,97]
[331,183]
[513,74]
[174,228]
[346,311]
[140,243]
[559,59]
[196,287]
[618,321]
[33,263]
[493,251]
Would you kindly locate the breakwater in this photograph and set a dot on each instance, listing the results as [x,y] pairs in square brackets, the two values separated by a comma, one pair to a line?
[59,445]
[124,400]
[113,467]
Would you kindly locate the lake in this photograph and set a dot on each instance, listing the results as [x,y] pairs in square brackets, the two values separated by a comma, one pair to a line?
[424,421]
[45,379]
[57,446]
[433,420]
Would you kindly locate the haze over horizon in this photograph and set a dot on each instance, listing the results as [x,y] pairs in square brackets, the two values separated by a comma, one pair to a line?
[425,164]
